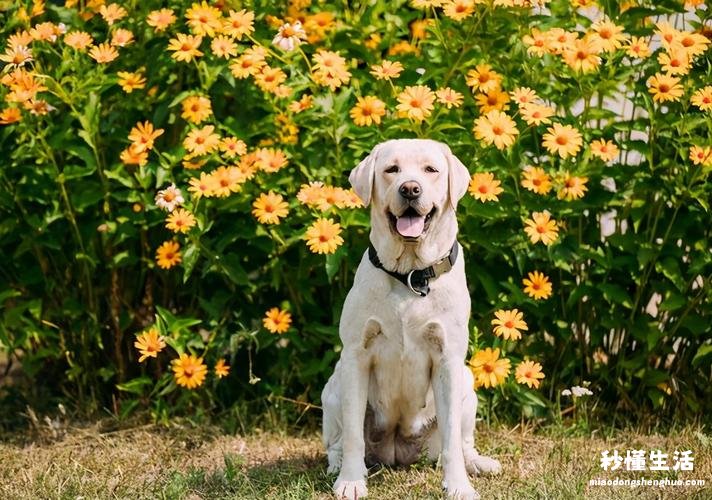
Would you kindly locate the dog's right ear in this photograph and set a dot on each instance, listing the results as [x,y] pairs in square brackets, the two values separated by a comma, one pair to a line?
[362,177]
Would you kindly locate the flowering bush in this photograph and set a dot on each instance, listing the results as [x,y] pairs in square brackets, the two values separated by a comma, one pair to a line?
[176,209]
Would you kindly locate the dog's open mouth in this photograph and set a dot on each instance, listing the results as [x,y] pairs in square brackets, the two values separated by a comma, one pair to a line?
[410,224]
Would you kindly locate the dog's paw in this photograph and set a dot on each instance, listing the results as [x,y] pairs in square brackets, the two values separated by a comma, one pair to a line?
[334,458]
[350,490]
[460,490]
[479,464]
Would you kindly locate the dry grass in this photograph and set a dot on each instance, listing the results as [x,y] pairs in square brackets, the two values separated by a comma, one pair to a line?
[152,462]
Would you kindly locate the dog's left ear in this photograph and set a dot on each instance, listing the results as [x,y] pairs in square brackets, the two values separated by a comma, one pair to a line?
[361,177]
[458,176]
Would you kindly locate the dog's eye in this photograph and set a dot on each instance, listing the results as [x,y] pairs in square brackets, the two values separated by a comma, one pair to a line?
[393,169]
[431,170]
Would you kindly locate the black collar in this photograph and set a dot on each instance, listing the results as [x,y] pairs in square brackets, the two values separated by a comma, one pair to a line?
[417,279]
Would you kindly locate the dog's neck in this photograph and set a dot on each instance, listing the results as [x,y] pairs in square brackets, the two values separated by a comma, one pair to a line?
[401,256]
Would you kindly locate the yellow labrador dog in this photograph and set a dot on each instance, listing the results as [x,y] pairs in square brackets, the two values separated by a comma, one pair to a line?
[401,387]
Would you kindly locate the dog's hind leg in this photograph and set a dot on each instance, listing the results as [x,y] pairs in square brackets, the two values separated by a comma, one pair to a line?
[331,426]
[474,462]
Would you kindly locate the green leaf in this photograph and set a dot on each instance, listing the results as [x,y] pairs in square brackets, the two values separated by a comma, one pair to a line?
[703,355]
[190,258]
[616,294]
[135,386]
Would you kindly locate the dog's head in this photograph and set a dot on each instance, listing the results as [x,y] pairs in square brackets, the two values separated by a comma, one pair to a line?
[413,184]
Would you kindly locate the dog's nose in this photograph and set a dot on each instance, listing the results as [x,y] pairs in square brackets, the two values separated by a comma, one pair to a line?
[410,190]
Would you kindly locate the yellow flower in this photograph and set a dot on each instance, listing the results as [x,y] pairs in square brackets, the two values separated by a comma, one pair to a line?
[16,57]
[508,324]
[103,53]
[701,156]
[143,135]
[538,43]
[249,63]
[226,180]
[304,103]
[196,108]
[493,100]
[563,140]
[149,344]
[487,369]
[536,179]
[122,38]
[185,47]
[667,33]
[536,114]
[222,369]
[329,69]
[180,221]
[702,98]
[202,186]
[638,47]
[268,78]
[403,47]
[449,97]
[168,254]
[189,371]
[537,286]
[78,40]
[484,187]
[458,10]
[523,95]
[160,19]
[201,141]
[239,23]
[277,320]
[529,373]
[605,150]
[270,160]
[112,13]
[204,19]
[694,44]
[222,46]
[387,70]
[10,115]
[415,103]
[368,110]
[419,28]
[496,128]
[572,187]
[664,87]
[675,62]
[483,79]
[323,236]
[131,81]
[560,40]
[607,35]
[269,208]
[582,55]
[134,155]
[541,228]
[232,146]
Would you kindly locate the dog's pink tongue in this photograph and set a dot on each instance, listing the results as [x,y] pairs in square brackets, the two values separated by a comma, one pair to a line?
[409,226]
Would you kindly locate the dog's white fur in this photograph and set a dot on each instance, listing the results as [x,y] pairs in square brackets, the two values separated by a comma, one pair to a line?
[401,386]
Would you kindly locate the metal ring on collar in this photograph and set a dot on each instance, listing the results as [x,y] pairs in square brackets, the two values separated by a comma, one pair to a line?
[410,285]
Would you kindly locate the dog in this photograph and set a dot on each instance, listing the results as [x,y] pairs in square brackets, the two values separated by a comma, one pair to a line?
[401,387]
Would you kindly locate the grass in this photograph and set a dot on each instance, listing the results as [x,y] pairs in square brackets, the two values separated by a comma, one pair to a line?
[202,463]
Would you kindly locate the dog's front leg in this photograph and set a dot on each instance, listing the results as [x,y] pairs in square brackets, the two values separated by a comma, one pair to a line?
[447,391]
[351,482]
